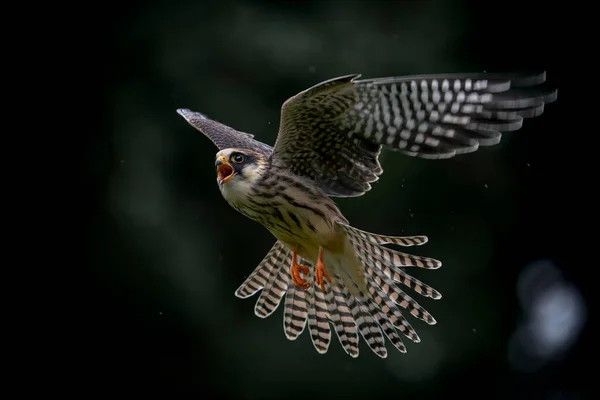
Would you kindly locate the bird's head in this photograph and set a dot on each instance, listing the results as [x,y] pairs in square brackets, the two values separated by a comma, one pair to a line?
[237,168]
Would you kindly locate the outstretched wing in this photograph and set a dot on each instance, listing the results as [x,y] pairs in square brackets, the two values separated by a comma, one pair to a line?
[333,132]
[223,136]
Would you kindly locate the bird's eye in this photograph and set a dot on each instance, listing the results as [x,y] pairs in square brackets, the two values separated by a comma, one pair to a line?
[238,159]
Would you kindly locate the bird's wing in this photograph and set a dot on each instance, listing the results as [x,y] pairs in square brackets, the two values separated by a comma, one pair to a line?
[333,132]
[223,136]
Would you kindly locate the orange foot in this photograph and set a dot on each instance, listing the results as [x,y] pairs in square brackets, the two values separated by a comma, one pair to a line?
[295,269]
[321,271]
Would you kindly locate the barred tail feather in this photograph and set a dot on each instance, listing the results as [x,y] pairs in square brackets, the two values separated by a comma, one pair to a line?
[295,311]
[373,244]
[296,308]
[271,295]
[318,319]
[275,288]
[343,320]
[262,274]
[405,241]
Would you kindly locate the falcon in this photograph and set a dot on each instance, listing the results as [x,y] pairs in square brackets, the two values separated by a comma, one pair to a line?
[334,275]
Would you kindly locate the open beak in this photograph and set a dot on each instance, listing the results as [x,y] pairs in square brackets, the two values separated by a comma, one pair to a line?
[224,170]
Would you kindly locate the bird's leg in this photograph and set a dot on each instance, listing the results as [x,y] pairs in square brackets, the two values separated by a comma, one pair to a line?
[321,271]
[295,269]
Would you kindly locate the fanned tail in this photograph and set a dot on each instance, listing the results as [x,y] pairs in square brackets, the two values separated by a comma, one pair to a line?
[374,314]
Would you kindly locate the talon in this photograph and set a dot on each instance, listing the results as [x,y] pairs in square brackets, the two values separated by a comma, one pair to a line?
[295,269]
[321,271]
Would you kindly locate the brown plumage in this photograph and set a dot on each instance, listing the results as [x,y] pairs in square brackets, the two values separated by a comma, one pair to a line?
[329,141]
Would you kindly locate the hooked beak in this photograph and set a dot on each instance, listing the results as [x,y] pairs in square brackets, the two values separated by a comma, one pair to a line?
[224,170]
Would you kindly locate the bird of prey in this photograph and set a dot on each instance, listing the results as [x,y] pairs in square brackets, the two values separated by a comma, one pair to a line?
[334,275]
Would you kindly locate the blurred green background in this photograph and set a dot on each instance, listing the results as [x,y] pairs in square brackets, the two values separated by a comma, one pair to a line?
[168,252]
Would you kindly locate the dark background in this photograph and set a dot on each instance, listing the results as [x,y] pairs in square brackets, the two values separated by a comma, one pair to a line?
[167,252]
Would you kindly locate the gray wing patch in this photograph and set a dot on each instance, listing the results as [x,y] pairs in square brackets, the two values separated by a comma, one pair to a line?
[223,136]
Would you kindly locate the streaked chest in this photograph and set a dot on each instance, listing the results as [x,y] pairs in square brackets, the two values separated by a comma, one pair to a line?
[290,209]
